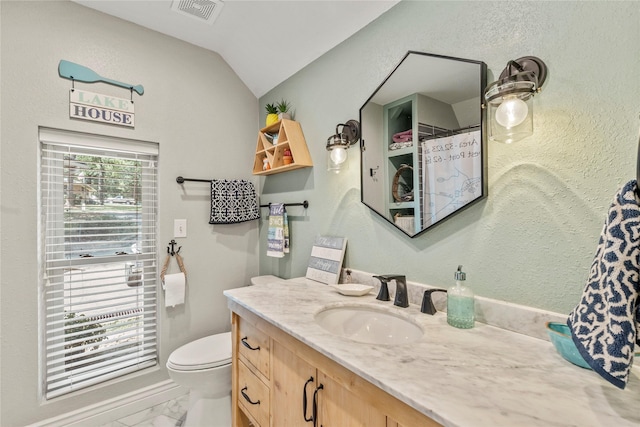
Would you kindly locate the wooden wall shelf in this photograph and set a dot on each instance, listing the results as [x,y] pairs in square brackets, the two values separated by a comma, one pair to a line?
[289,137]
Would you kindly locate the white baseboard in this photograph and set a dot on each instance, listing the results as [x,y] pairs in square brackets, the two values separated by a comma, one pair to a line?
[116,408]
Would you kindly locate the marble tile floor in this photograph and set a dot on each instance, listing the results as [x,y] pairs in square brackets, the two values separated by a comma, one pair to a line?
[167,414]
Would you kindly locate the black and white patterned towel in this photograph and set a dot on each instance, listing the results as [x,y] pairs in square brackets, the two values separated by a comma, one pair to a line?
[233,201]
[606,322]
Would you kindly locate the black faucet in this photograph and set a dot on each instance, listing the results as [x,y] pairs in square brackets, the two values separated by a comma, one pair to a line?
[402,296]
[427,302]
[383,294]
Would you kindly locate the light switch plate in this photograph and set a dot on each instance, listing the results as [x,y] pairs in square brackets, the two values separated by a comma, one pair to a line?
[179,228]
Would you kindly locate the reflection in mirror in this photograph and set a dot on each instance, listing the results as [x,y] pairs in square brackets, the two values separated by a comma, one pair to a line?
[423,141]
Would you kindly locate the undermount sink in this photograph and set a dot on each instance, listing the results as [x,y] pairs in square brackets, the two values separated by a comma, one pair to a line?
[367,324]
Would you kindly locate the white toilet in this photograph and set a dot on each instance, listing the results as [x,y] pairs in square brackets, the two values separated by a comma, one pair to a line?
[204,366]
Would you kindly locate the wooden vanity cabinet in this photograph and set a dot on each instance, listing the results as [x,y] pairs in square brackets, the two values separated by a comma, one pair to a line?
[296,382]
[343,398]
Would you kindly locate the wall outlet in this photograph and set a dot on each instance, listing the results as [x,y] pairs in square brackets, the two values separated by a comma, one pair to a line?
[179,228]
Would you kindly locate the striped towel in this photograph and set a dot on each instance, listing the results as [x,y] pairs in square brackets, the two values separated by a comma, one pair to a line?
[278,233]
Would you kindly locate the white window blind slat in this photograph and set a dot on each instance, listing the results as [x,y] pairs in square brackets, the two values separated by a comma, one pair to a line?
[63,138]
[110,300]
[99,261]
[82,368]
[73,383]
[150,316]
[56,320]
[54,345]
[80,352]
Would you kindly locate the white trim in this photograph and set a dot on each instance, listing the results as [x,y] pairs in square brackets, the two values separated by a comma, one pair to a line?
[67,137]
[118,407]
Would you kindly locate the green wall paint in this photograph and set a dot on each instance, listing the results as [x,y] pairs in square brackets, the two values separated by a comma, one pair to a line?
[532,241]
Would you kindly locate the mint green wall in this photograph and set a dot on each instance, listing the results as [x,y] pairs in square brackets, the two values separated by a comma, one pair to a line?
[532,241]
[203,118]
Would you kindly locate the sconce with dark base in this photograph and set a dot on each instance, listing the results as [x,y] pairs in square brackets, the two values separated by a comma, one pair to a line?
[347,134]
[509,99]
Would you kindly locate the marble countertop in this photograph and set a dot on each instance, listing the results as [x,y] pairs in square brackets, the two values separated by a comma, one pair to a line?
[485,376]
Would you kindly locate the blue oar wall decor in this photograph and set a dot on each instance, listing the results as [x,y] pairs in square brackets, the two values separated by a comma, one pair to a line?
[77,72]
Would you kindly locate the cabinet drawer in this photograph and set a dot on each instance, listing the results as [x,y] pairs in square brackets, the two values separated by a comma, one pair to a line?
[254,347]
[253,395]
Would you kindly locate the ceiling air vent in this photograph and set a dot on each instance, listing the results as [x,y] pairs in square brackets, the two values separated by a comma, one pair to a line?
[202,10]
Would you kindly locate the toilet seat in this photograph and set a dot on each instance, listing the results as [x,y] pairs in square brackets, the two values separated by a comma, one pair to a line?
[205,353]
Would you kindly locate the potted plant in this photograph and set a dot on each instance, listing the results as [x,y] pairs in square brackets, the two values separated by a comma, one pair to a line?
[283,110]
[272,114]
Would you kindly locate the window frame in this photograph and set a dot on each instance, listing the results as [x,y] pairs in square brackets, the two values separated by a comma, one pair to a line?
[146,325]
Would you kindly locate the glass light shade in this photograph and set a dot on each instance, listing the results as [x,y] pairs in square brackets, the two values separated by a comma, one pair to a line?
[338,155]
[518,126]
[510,110]
[337,159]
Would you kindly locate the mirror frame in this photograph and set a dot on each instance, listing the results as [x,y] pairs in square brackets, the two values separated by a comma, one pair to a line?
[482,75]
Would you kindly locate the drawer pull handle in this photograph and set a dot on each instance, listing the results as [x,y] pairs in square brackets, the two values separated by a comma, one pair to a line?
[246,344]
[247,398]
[304,401]
[315,405]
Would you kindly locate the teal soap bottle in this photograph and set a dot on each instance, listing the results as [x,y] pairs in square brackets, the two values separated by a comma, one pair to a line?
[461,311]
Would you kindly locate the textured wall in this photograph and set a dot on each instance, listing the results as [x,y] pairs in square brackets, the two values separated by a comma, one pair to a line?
[194,106]
[532,241]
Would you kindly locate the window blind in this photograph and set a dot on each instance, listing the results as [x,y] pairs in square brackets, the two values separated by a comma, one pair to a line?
[98,259]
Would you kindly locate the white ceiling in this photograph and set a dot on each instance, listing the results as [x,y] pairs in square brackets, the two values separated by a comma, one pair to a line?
[263,41]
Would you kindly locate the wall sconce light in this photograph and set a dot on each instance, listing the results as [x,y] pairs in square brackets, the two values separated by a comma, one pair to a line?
[509,99]
[347,134]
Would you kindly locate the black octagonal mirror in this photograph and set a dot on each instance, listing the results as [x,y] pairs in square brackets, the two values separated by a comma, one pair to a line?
[423,144]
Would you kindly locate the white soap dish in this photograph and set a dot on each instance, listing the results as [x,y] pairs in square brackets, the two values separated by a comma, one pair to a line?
[353,289]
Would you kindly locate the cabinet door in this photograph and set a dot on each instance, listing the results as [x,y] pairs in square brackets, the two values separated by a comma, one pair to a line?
[291,376]
[339,407]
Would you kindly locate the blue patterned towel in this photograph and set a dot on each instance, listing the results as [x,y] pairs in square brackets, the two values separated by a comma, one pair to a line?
[605,324]
[233,201]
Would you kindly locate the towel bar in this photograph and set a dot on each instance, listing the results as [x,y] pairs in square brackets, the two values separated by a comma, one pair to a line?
[304,204]
[181,180]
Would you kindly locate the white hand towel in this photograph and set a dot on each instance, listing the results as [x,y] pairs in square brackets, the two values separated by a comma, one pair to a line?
[174,288]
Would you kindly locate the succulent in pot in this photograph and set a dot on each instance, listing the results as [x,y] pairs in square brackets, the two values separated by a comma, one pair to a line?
[283,110]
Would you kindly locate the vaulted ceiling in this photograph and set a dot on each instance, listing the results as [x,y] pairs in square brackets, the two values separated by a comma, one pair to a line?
[263,41]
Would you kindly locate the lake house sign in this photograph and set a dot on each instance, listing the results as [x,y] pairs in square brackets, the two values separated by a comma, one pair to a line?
[93,106]
[101,108]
